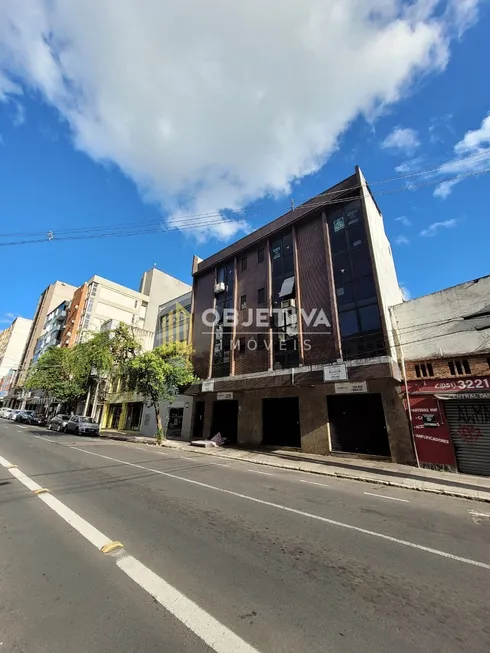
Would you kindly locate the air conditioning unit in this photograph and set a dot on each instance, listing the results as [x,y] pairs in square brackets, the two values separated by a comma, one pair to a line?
[76,306]
[281,337]
[288,303]
[68,334]
[219,287]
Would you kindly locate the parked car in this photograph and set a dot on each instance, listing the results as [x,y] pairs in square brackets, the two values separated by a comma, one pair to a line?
[5,412]
[13,414]
[78,424]
[24,416]
[58,422]
[38,419]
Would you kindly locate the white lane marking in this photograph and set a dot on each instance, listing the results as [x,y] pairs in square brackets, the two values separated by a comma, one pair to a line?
[383,496]
[161,453]
[213,633]
[332,522]
[479,514]
[186,458]
[23,427]
[256,471]
[314,483]
[218,464]
[43,437]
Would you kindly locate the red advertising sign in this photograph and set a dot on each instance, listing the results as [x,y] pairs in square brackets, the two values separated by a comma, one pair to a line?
[442,386]
[431,431]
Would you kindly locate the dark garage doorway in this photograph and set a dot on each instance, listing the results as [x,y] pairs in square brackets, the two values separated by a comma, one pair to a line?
[280,422]
[357,424]
[198,428]
[225,419]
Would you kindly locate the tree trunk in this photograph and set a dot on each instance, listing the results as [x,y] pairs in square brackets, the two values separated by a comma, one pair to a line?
[87,402]
[158,417]
[96,396]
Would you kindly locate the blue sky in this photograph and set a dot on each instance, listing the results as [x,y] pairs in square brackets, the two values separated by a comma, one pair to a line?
[59,174]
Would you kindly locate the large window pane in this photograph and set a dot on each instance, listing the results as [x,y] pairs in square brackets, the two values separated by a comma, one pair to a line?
[357,235]
[365,289]
[361,262]
[345,294]
[370,319]
[341,269]
[348,323]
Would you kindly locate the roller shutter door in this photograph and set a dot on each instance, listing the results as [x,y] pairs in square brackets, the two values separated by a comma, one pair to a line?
[469,423]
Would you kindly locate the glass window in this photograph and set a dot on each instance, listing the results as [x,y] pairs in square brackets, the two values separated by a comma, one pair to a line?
[243,301]
[220,275]
[287,244]
[244,263]
[345,294]
[287,288]
[357,235]
[365,289]
[370,319]
[361,263]
[341,269]
[260,255]
[348,323]
[261,296]
[276,250]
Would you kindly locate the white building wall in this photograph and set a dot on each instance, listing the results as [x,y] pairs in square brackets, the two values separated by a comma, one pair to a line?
[384,265]
[160,288]
[12,356]
[433,326]
[148,426]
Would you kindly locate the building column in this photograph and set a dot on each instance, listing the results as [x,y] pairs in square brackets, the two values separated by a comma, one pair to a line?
[397,425]
[313,420]
[122,417]
[104,417]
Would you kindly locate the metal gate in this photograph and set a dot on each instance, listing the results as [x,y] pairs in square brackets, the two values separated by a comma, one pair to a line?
[469,423]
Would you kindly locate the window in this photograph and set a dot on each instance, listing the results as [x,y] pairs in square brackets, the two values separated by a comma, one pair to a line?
[261,296]
[244,263]
[423,370]
[261,341]
[348,323]
[243,302]
[370,320]
[459,367]
[260,255]
[287,288]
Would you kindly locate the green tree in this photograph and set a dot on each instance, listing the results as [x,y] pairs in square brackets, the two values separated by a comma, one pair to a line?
[160,374]
[104,357]
[53,374]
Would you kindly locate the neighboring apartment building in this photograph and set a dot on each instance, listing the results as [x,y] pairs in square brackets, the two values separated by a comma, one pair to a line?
[309,362]
[125,410]
[13,341]
[52,297]
[74,317]
[444,342]
[173,323]
[52,331]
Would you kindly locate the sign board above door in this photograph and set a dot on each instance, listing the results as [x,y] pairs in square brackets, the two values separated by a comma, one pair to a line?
[223,396]
[207,386]
[351,388]
[337,372]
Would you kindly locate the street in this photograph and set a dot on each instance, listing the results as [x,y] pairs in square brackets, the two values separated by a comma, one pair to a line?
[227,556]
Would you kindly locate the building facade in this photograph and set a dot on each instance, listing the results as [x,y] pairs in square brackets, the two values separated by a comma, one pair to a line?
[444,344]
[52,330]
[74,317]
[13,341]
[307,360]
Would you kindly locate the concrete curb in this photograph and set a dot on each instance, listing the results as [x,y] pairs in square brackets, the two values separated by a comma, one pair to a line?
[431,488]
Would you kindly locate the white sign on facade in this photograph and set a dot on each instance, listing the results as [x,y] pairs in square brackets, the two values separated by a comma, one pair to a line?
[207,386]
[351,388]
[336,372]
[221,396]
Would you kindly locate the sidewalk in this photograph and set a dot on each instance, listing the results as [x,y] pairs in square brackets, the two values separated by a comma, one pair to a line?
[464,486]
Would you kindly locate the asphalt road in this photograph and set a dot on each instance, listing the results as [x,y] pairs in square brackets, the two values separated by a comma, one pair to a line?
[227,556]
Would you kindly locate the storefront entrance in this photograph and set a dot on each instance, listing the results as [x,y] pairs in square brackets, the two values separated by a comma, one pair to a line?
[357,424]
[469,424]
[133,418]
[280,422]
[225,419]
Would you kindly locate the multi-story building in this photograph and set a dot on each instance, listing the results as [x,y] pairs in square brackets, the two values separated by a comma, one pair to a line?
[52,297]
[307,359]
[74,317]
[13,341]
[52,331]
[173,322]
[124,409]
[444,345]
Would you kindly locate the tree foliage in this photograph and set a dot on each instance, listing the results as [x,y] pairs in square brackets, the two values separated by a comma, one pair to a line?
[160,374]
[53,373]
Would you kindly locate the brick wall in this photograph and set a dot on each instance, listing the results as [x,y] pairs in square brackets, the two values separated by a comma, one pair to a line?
[479,366]
[201,338]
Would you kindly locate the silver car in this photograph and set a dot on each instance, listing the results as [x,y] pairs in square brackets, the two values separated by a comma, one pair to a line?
[79,424]
[58,422]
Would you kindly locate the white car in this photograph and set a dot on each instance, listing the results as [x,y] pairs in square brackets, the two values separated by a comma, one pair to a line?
[13,414]
[5,412]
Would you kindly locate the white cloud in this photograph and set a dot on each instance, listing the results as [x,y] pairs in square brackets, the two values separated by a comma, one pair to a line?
[413,165]
[433,228]
[473,151]
[401,140]
[406,222]
[401,240]
[407,295]
[210,105]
